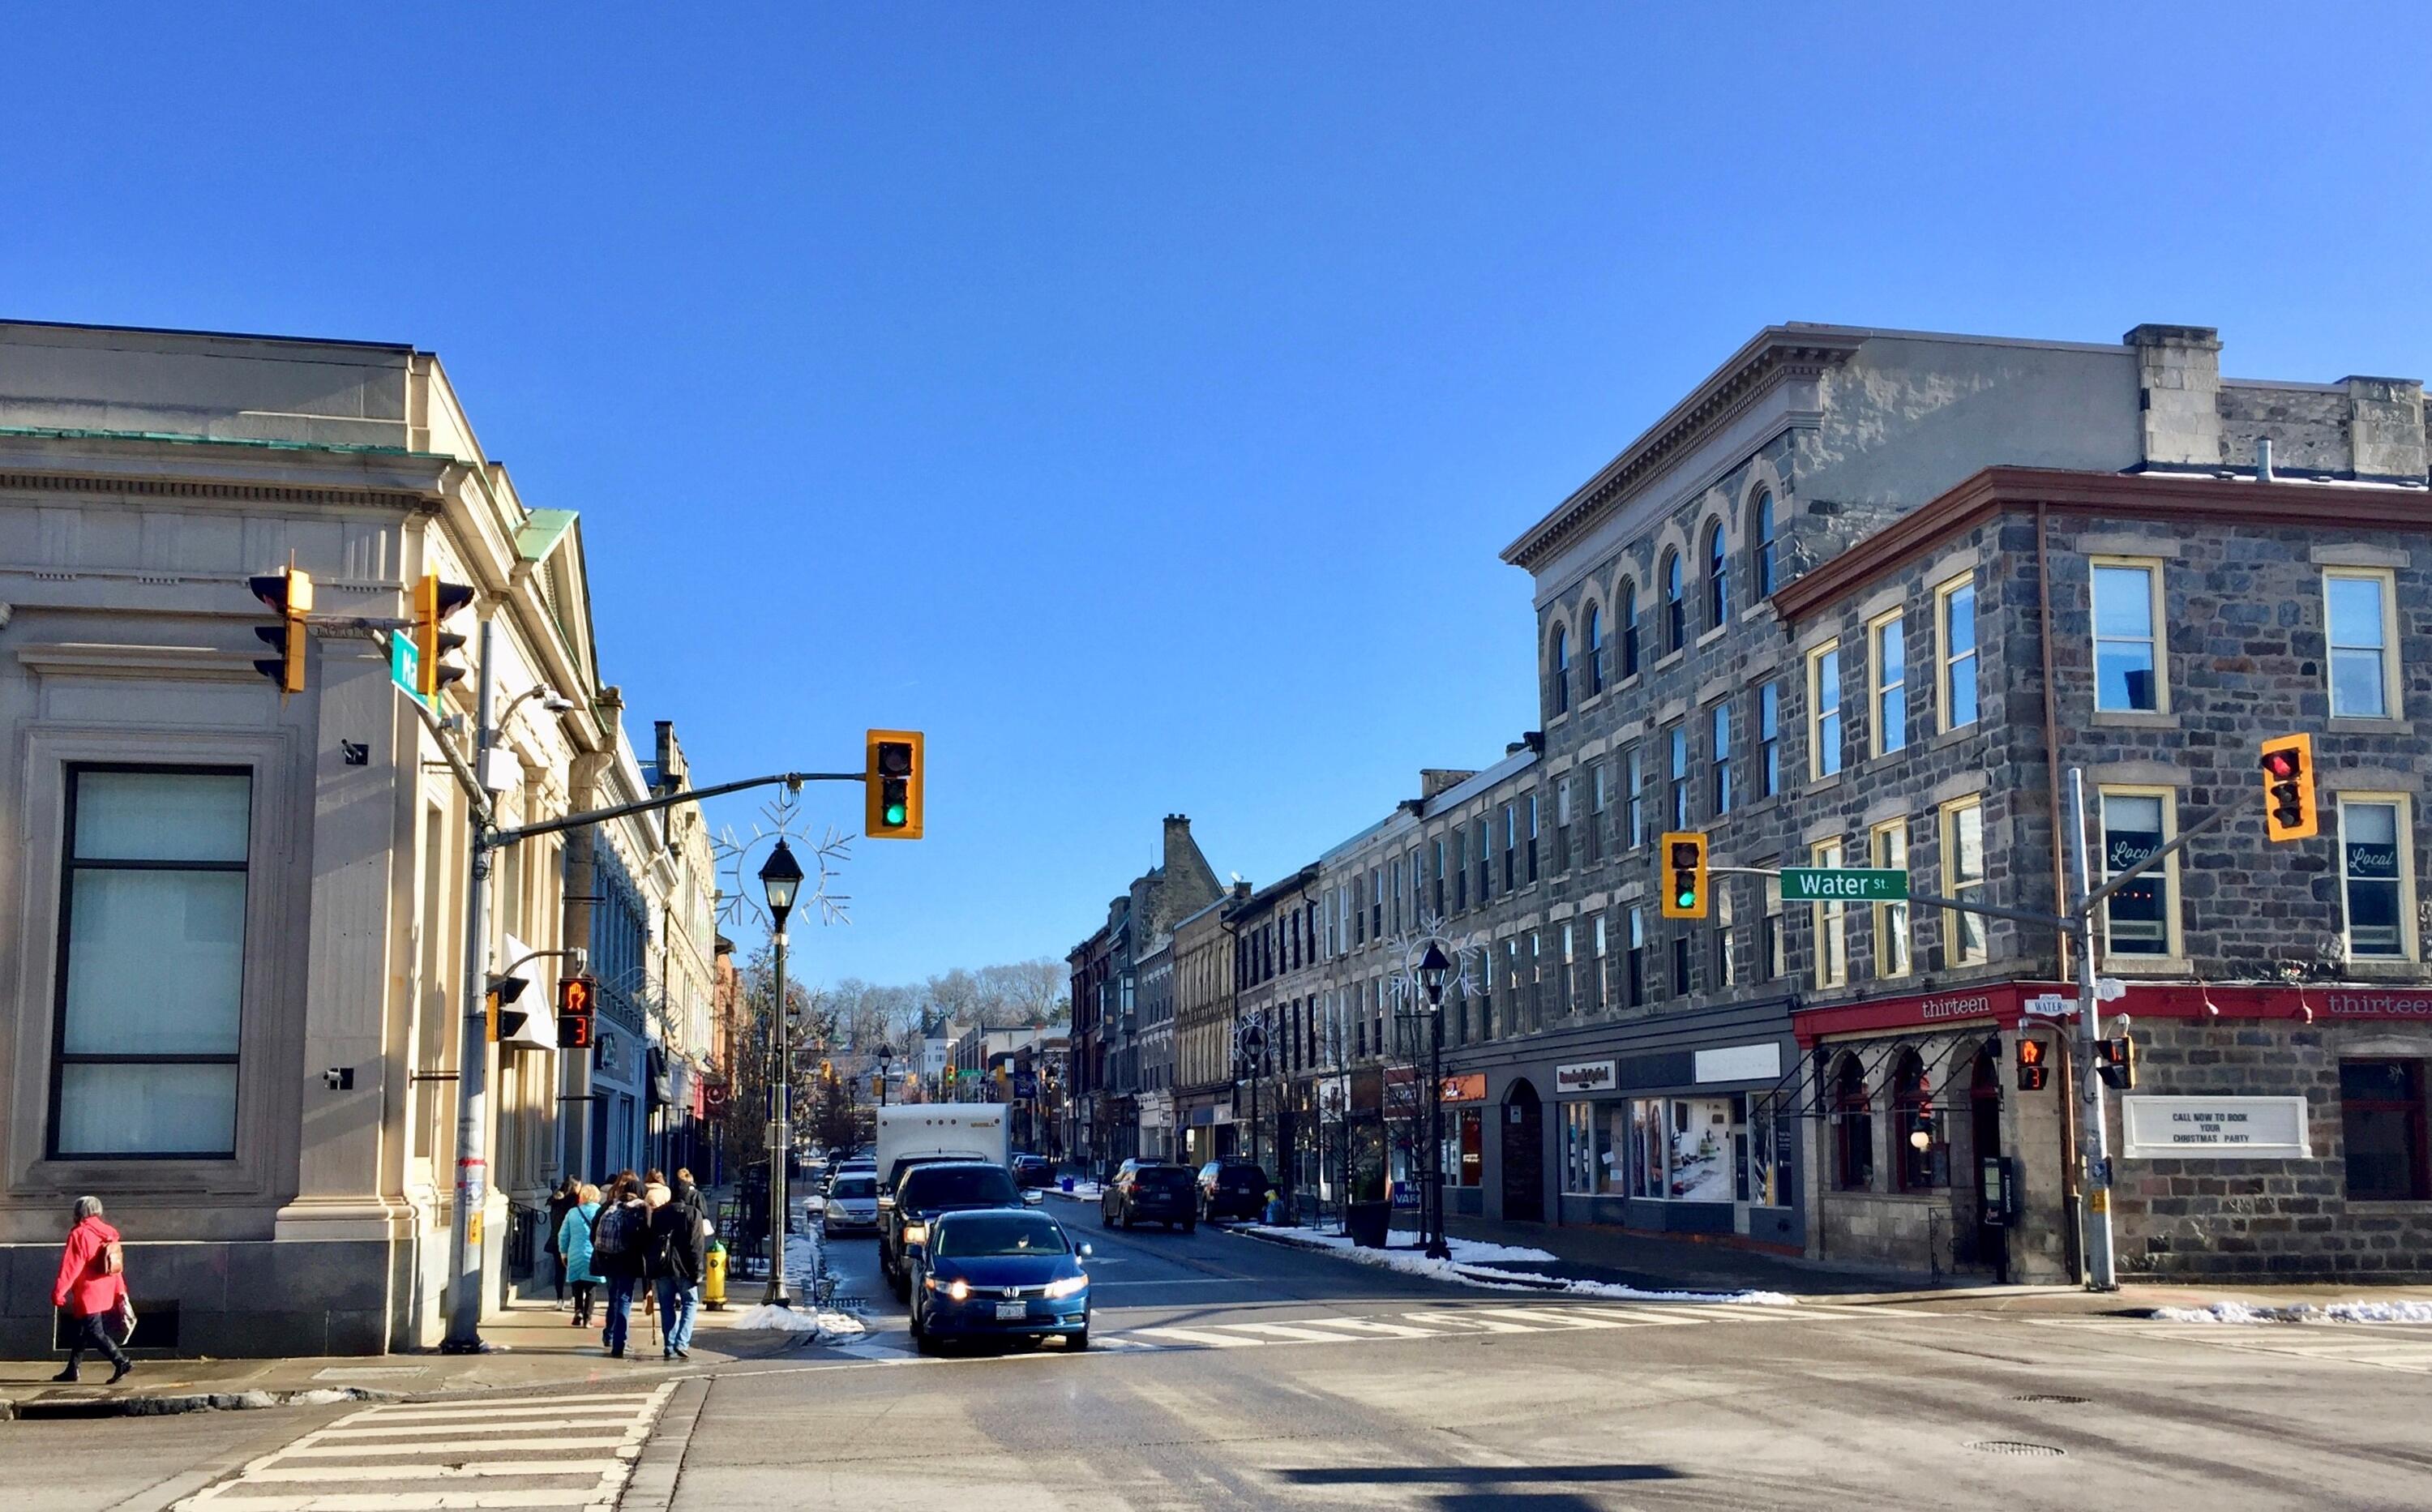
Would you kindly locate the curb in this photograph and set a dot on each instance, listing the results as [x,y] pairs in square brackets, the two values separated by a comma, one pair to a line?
[164,1404]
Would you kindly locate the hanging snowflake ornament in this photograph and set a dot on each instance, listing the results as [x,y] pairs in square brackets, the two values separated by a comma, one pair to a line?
[738,859]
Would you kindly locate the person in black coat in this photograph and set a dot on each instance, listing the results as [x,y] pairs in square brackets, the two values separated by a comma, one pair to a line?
[674,1259]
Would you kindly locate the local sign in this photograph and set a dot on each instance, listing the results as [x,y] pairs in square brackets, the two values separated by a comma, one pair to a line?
[2157,1127]
[1843,884]
[1585,1075]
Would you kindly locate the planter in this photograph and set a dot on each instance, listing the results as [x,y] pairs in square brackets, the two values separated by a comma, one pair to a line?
[1369,1223]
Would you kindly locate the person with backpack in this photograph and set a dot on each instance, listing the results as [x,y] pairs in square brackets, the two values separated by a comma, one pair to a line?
[93,1288]
[619,1234]
[678,1254]
[567,1196]
[574,1251]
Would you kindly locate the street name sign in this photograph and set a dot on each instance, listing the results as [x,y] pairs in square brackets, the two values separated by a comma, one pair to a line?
[2050,1005]
[404,661]
[1843,884]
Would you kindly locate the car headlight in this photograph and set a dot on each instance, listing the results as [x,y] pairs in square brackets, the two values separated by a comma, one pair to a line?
[916,1233]
[1069,1286]
[959,1290]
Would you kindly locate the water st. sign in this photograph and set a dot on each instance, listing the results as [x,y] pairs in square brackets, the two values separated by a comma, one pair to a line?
[1843,884]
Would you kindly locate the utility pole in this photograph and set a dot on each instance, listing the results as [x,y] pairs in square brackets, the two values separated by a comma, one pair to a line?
[465,1268]
[2094,1180]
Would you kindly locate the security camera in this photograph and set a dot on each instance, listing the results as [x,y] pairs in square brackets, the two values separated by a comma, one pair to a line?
[556,703]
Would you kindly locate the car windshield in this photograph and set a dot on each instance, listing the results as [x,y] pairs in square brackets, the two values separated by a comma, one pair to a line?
[857,1186]
[972,1234]
[938,1185]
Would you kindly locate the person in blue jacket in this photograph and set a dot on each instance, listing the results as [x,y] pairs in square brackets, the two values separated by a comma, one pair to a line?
[574,1251]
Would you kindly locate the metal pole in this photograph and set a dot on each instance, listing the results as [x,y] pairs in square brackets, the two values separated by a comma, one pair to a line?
[465,1272]
[2094,1183]
[781,1150]
[1437,1246]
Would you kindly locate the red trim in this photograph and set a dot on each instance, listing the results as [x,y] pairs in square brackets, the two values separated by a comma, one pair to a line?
[1998,1003]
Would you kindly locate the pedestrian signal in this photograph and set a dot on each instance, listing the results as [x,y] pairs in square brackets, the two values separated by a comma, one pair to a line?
[1685,873]
[290,592]
[2288,809]
[894,774]
[578,1002]
[2115,1061]
[2035,1066]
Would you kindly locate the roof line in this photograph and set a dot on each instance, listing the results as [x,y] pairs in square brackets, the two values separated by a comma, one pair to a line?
[190,330]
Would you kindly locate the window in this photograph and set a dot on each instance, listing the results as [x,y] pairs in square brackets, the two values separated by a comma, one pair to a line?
[2127,664]
[1562,823]
[2357,605]
[1485,861]
[2373,857]
[1831,922]
[1561,675]
[1637,760]
[1512,1000]
[1853,1128]
[1922,1164]
[1762,549]
[1770,946]
[1726,968]
[1596,812]
[1532,837]
[1511,846]
[1890,645]
[2137,917]
[1954,615]
[1536,981]
[1964,941]
[1720,723]
[1679,744]
[1397,895]
[1627,598]
[1768,739]
[1889,840]
[2381,1124]
[1376,901]
[1596,964]
[1635,961]
[1566,985]
[1718,593]
[1439,879]
[1459,870]
[1596,650]
[1675,612]
[151,976]
[1824,709]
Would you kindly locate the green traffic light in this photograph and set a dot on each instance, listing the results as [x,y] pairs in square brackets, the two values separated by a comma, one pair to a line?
[1688,899]
[896,814]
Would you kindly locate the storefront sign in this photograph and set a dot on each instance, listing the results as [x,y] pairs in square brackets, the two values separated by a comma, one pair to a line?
[1740,1063]
[2213,1127]
[1956,1005]
[1469,1087]
[2355,1003]
[1585,1075]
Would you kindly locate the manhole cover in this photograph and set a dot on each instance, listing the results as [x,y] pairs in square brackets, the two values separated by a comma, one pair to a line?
[2016,1446]
[2051,1397]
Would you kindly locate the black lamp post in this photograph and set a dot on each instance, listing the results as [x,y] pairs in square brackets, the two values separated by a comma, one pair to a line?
[1433,968]
[885,1058]
[781,878]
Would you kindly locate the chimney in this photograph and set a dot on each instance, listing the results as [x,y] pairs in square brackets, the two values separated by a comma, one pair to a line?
[2178,394]
[1434,780]
[1177,838]
[2263,459]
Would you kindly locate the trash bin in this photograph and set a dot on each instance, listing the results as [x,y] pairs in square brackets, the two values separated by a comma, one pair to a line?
[1068,1185]
[713,1278]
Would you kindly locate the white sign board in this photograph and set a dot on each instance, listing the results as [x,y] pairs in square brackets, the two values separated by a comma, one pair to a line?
[2266,1128]
[2051,1005]
[1583,1076]
[1740,1063]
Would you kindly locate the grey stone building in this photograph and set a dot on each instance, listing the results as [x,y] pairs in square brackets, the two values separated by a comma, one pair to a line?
[1275,969]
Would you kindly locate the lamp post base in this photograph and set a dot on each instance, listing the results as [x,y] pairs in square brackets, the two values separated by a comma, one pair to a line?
[777,1295]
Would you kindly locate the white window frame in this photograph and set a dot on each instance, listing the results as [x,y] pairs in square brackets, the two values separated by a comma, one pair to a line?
[2152,568]
[1817,714]
[1955,952]
[1945,661]
[2391,683]
[1883,681]
[2173,949]
[1887,846]
[2409,937]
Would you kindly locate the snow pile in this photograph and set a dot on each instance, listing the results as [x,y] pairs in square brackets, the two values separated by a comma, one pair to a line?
[2399,1312]
[1467,1269]
[829,1326]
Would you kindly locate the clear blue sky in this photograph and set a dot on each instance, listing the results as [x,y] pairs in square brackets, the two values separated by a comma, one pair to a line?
[1135,396]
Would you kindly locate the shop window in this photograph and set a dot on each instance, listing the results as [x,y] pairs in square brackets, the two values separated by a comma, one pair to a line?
[151,972]
[2382,1125]
[1919,1157]
[1681,1150]
[1772,1140]
[2128,672]
[1853,1128]
[2375,856]
[1465,1160]
[2138,919]
[1587,1149]
[2358,605]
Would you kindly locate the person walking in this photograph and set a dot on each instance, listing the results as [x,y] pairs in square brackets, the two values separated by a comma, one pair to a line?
[678,1254]
[573,1240]
[619,1235]
[93,1288]
[560,1202]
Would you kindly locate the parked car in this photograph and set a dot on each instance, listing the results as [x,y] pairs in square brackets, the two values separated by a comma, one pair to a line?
[928,1191]
[1151,1191]
[838,1172]
[853,1206]
[998,1273]
[1232,1188]
[1033,1170]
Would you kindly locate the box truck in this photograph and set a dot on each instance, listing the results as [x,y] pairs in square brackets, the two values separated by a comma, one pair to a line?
[962,1131]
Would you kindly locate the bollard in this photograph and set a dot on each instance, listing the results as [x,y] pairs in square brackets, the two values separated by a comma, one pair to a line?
[713,1278]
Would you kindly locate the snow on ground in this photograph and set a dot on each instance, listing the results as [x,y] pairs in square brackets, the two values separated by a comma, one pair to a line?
[2399,1312]
[1082,1191]
[831,1327]
[1467,1269]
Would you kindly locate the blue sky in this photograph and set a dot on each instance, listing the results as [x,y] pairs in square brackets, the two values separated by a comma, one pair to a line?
[1135,398]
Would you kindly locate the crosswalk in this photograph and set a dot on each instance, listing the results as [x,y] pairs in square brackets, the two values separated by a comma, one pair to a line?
[534,1451]
[1471,1322]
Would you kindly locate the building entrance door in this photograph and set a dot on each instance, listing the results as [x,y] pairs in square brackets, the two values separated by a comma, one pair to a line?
[1984,1129]
[1524,1154]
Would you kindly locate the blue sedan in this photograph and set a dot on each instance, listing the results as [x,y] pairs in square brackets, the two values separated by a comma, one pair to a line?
[996,1273]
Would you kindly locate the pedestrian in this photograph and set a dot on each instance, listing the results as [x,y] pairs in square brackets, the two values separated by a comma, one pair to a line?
[560,1202]
[574,1250]
[679,1229]
[93,1288]
[618,1234]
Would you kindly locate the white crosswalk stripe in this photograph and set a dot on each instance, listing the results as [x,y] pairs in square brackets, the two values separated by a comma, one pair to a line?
[1452,1322]
[567,1451]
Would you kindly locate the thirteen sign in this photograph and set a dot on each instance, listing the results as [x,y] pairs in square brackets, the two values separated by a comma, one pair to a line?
[1843,884]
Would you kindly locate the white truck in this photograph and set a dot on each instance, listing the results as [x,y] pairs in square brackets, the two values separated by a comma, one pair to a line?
[965,1131]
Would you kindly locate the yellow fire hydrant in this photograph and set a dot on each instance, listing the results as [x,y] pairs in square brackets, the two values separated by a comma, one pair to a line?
[713,1278]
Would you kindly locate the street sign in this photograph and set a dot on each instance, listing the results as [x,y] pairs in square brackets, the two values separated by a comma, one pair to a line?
[1843,884]
[403,662]
[2109,989]
[2051,1005]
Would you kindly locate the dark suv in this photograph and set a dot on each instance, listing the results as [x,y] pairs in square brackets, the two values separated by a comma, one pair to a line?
[923,1191]
[1232,1189]
[1155,1191]
[1033,1170]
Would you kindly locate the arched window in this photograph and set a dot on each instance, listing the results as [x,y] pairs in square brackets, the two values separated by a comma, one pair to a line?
[1853,1128]
[1562,659]
[1921,1157]
[1596,650]
[1761,542]
[1627,598]
[1718,564]
[1676,612]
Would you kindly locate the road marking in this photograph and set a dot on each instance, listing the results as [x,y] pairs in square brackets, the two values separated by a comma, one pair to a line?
[351,1451]
[1459,1321]
[427,1472]
[1193,1336]
[1370,1325]
[447,1409]
[407,1501]
[520,1425]
[1287,1331]
[1572,1317]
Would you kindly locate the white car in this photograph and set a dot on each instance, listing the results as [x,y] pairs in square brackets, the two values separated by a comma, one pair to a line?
[853,1204]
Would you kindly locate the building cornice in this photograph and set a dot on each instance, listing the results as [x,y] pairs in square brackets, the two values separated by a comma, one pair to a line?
[2140,495]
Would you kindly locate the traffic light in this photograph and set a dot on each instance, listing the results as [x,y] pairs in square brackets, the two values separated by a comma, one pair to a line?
[1684,876]
[2115,1061]
[505,1019]
[433,601]
[2289,809]
[895,766]
[290,592]
[2035,1065]
[577,1000]
[827,1072]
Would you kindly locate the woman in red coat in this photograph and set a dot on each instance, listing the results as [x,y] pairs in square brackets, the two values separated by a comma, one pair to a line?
[93,1288]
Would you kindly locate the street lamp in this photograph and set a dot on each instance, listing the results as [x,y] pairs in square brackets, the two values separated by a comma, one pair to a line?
[781,878]
[1433,968]
[885,1058]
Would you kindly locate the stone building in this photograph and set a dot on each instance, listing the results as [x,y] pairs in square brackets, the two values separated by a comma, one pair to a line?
[1203,1029]
[1275,974]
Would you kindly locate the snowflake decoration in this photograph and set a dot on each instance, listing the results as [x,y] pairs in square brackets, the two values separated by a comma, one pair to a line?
[1403,985]
[738,861]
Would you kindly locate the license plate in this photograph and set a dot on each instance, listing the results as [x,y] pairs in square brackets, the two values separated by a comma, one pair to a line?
[1012,1309]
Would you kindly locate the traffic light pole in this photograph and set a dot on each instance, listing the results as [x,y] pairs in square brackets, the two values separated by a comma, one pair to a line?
[464,1268]
[2094,1146]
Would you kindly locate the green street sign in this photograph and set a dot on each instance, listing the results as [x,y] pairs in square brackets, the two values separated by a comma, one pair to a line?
[404,661]
[1843,884]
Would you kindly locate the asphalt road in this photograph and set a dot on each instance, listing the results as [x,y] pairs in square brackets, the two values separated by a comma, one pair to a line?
[1225,1371]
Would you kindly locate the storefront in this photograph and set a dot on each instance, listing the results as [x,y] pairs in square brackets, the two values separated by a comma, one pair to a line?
[1207,1127]
[1465,1143]
[1156,1126]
